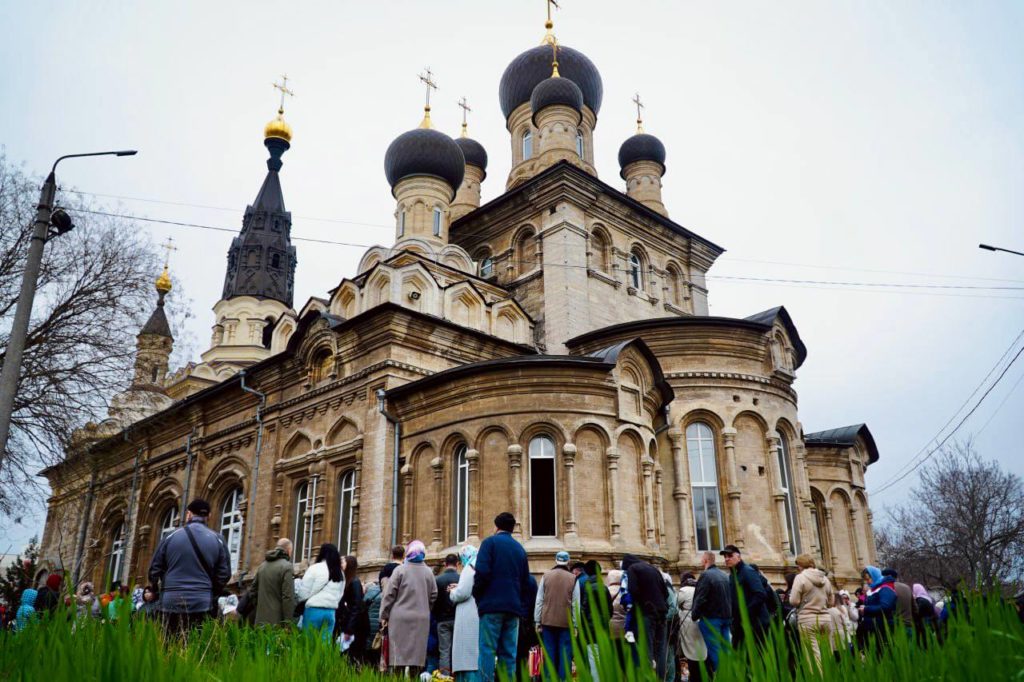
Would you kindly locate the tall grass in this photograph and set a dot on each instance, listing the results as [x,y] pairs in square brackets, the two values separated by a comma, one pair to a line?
[984,641]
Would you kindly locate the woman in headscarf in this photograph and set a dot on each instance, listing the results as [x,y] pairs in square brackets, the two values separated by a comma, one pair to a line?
[466,638]
[691,641]
[879,608]
[405,611]
[924,614]
[618,623]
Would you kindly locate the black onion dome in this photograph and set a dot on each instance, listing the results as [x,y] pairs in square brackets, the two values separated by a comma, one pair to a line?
[641,147]
[526,71]
[424,151]
[556,90]
[474,152]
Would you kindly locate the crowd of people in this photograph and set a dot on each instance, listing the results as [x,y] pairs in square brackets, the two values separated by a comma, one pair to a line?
[484,612]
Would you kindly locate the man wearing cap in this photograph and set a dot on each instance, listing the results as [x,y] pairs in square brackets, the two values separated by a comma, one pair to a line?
[192,566]
[748,582]
[551,613]
[712,608]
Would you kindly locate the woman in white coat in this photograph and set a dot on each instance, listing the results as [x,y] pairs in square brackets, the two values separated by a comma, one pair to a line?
[321,588]
[691,641]
[466,638]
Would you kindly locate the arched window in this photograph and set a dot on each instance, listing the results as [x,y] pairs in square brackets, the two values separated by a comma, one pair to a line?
[707,510]
[169,522]
[401,222]
[275,261]
[155,374]
[672,285]
[116,560]
[347,494]
[527,145]
[542,488]
[525,257]
[303,517]
[786,481]
[231,525]
[636,277]
[460,497]
[437,221]
[322,366]
[600,251]
[268,332]
[821,528]
[487,267]
[579,143]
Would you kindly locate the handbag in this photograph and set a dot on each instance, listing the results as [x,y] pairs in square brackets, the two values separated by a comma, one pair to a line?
[384,651]
[378,641]
[534,661]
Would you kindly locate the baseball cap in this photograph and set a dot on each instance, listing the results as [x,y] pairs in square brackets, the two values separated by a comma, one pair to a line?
[199,507]
[562,558]
[730,549]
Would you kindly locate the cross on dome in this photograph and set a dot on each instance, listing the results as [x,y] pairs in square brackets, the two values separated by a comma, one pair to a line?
[465,110]
[283,87]
[428,80]
[639,114]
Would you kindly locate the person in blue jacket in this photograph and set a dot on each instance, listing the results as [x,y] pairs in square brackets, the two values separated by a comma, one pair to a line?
[27,611]
[879,609]
[502,578]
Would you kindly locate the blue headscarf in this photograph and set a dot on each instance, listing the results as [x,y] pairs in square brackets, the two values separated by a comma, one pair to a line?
[468,555]
[876,576]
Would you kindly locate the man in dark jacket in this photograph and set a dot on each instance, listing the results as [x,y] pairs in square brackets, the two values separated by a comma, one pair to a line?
[592,602]
[191,565]
[712,607]
[747,583]
[502,577]
[49,596]
[649,596]
[444,611]
[551,613]
[397,557]
[905,605]
[273,588]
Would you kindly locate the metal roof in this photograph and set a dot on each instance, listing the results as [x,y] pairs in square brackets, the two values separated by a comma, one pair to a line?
[845,436]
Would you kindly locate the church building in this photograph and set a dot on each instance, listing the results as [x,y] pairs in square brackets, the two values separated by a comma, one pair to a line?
[548,353]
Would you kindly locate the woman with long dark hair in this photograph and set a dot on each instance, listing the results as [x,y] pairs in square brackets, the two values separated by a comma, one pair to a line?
[321,589]
[350,610]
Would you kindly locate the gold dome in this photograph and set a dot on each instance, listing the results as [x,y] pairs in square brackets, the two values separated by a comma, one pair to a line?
[163,282]
[278,128]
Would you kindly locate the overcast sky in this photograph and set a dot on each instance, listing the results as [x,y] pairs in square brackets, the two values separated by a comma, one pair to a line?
[852,142]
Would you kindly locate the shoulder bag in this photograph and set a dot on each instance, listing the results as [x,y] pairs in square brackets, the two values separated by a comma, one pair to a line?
[214,587]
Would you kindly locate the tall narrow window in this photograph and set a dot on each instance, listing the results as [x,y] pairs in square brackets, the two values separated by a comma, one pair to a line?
[487,267]
[302,518]
[348,492]
[437,221]
[579,143]
[527,145]
[636,279]
[231,525]
[116,561]
[169,522]
[401,222]
[707,512]
[786,476]
[542,487]
[460,510]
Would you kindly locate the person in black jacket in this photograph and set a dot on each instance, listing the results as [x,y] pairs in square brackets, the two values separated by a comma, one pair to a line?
[712,608]
[444,611]
[747,583]
[649,596]
[349,617]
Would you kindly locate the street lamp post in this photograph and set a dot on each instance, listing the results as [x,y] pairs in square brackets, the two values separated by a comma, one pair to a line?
[988,247]
[46,218]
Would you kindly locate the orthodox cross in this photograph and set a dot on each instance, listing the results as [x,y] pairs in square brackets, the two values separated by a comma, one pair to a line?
[465,110]
[639,115]
[549,37]
[169,246]
[428,79]
[283,87]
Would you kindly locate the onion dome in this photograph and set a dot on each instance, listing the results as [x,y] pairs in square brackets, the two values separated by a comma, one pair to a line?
[474,153]
[278,128]
[556,90]
[163,282]
[424,151]
[157,324]
[532,67]
[641,147]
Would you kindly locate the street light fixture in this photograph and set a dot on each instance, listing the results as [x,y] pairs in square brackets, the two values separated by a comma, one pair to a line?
[46,218]
[988,247]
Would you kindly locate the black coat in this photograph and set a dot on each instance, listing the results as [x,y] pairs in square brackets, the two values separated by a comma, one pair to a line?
[646,587]
[444,609]
[348,616]
[713,596]
[749,581]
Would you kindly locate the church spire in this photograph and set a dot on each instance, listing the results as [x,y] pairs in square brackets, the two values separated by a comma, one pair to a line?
[261,259]
[154,341]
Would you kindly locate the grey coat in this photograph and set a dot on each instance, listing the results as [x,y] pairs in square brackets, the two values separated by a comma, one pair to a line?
[406,605]
[466,640]
[185,586]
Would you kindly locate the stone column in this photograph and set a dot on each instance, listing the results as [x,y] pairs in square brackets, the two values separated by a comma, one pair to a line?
[681,492]
[515,462]
[831,539]
[857,542]
[406,474]
[569,462]
[778,496]
[612,454]
[659,504]
[437,466]
[734,523]
[473,534]
[647,466]
[357,481]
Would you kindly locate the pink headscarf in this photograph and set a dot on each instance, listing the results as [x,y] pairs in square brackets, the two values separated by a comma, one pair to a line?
[415,552]
[920,592]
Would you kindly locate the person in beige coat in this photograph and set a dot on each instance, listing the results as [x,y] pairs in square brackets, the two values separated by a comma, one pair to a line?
[812,595]
[405,611]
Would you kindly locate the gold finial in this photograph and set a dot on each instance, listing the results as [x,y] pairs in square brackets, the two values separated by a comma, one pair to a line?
[554,58]
[428,79]
[278,127]
[549,35]
[163,282]
[465,110]
[639,115]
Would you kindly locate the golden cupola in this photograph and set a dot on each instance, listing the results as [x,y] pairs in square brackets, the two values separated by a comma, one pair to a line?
[278,128]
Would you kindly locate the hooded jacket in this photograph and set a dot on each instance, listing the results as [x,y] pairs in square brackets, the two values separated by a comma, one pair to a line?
[646,587]
[812,594]
[880,605]
[26,612]
[273,589]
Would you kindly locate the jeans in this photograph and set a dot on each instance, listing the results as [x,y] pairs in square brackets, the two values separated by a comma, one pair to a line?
[319,619]
[654,632]
[558,647]
[499,633]
[445,631]
[715,630]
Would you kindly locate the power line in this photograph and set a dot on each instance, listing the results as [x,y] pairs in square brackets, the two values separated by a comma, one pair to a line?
[957,428]
[1000,406]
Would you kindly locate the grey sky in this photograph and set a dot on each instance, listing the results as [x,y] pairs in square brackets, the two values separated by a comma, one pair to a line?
[857,136]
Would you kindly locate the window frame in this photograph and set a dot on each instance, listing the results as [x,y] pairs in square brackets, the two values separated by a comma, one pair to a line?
[401,222]
[115,560]
[232,525]
[166,528]
[346,516]
[540,438]
[694,434]
[786,485]
[486,267]
[527,145]
[438,220]
[580,143]
[636,271]
[301,506]
[460,494]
